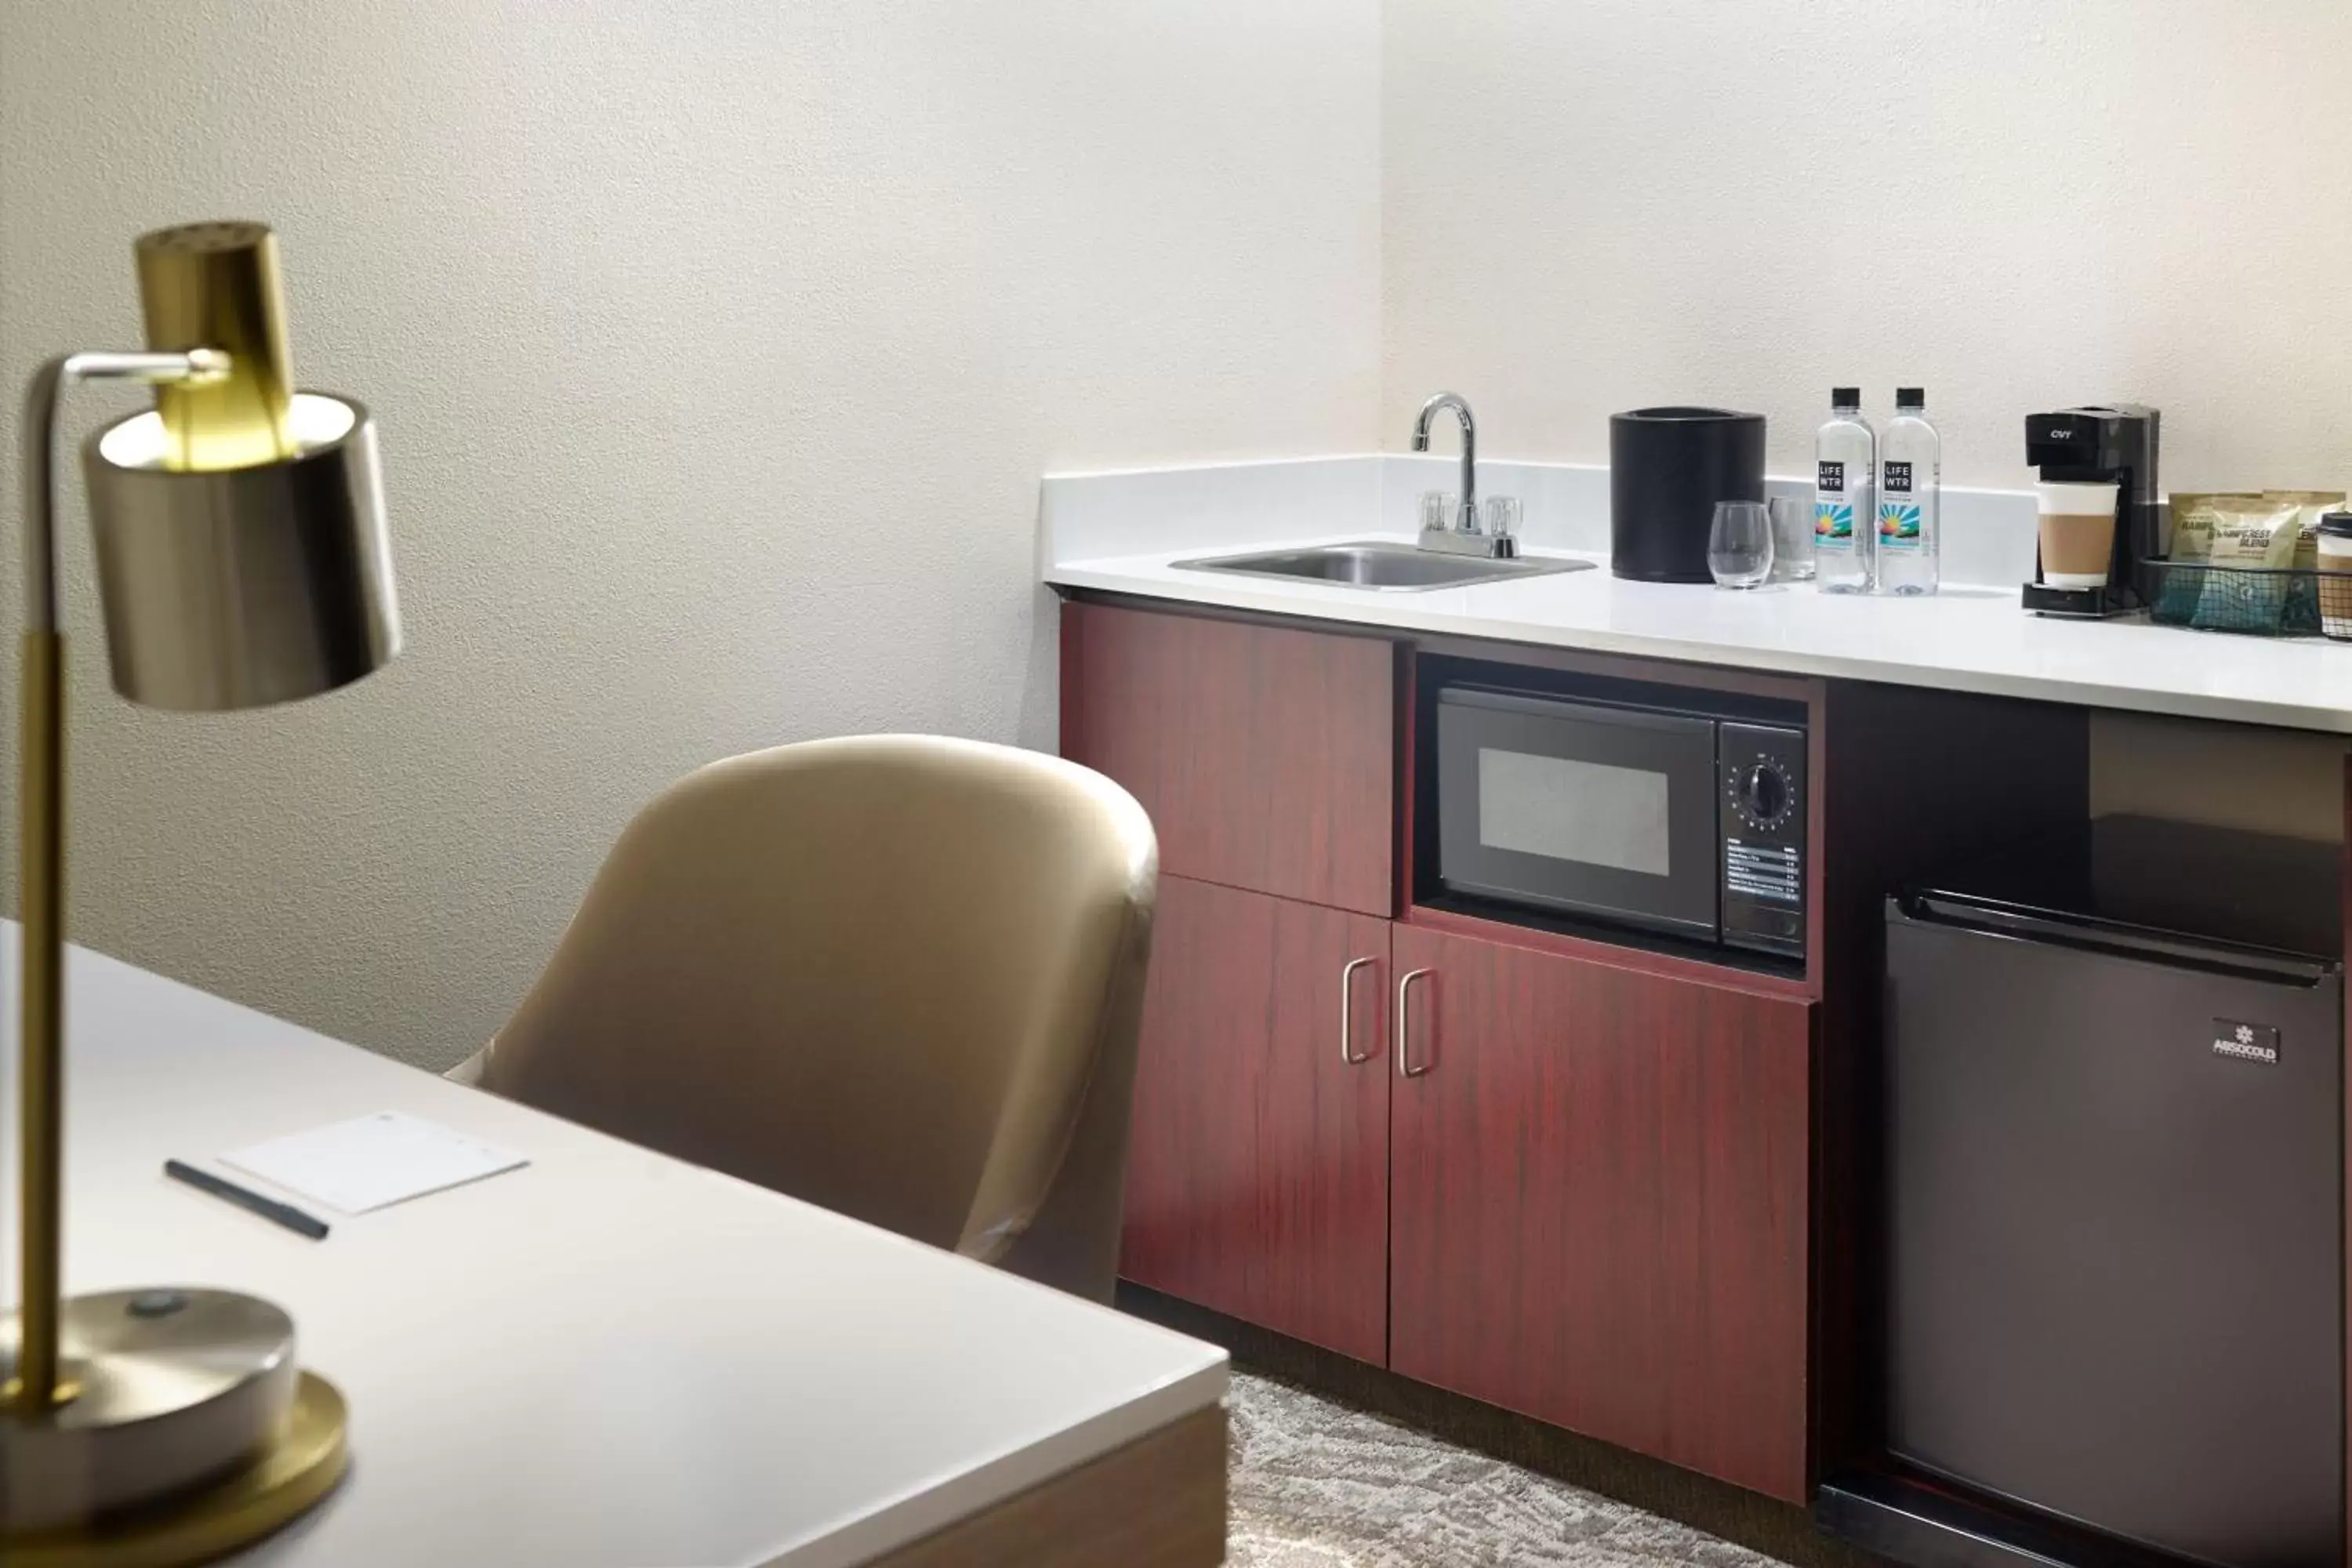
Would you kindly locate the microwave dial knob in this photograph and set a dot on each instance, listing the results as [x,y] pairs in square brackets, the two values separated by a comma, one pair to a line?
[1764,795]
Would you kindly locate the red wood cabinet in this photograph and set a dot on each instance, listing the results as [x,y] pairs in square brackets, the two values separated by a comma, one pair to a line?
[1599,1203]
[1267,756]
[1587,1203]
[1257,1181]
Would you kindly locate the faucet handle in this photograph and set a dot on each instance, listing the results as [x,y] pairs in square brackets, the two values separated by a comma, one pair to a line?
[1438,512]
[1502,516]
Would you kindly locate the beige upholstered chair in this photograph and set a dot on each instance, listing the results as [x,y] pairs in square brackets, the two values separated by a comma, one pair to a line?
[897,975]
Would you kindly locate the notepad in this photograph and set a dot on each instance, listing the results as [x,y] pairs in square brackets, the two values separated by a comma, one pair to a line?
[370,1161]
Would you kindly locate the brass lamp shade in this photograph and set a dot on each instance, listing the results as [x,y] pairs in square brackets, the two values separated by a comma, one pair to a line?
[241,587]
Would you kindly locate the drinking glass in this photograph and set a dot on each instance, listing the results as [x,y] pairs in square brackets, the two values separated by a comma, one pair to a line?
[1739,544]
[1793,539]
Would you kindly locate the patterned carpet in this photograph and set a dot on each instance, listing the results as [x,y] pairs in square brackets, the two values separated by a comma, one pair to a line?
[1316,1485]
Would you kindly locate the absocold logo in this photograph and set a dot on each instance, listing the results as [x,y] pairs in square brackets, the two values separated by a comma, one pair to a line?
[2246,1042]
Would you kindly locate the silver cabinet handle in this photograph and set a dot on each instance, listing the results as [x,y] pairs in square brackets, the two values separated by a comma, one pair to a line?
[1405,1025]
[1347,1022]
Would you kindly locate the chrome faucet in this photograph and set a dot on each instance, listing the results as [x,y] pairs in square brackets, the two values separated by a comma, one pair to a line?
[1464,537]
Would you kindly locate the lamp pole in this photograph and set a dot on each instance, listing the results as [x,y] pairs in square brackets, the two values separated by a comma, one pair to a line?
[39,1385]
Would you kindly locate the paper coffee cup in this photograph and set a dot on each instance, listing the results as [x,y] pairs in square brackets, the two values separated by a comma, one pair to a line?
[2078,531]
[2335,575]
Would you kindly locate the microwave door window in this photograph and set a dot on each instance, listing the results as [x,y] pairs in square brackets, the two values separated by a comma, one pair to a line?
[1563,808]
[1577,809]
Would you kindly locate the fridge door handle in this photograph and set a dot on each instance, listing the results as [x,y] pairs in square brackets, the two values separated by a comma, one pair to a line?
[2237,961]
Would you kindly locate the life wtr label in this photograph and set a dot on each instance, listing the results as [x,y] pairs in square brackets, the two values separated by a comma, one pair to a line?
[1832,508]
[1899,508]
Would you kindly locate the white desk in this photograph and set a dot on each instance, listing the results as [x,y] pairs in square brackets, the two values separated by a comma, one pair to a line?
[607,1358]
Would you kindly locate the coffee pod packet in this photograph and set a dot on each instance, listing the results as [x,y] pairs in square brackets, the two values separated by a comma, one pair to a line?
[2250,539]
[2194,517]
[2303,593]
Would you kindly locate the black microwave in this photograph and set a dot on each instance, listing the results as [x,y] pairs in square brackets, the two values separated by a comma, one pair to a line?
[1673,819]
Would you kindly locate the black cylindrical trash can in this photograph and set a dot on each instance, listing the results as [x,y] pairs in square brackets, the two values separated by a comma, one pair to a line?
[1667,467]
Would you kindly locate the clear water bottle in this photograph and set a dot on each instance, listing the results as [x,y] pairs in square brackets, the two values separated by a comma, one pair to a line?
[1845,463]
[1910,496]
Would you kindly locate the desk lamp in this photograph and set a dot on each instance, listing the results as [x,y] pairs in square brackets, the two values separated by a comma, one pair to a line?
[241,561]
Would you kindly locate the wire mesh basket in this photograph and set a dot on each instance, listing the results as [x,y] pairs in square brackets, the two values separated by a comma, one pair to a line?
[2256,601]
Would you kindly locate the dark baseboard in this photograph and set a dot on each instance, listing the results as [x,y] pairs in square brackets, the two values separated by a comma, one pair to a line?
[1764,1524]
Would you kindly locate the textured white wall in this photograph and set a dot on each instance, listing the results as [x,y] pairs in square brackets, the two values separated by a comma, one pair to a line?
[718,347]
[2019,203]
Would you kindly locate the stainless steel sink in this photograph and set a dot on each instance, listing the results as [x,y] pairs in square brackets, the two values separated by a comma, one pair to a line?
[1383,566]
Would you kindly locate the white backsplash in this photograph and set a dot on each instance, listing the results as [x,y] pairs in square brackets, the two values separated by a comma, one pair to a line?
[1083,517]
[1563,506]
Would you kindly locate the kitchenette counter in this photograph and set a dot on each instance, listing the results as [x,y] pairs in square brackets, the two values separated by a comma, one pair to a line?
[1965,639]
[1122,532]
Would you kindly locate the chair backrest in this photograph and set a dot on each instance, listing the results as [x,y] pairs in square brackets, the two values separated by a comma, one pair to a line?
[896,975]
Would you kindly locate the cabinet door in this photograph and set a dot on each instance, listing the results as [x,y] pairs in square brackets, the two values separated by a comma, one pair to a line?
[1257,1181]
[1267,756]
[1599,1203]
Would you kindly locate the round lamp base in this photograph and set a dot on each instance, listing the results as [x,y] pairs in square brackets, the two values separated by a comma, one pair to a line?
[181,1428]
[290,1478]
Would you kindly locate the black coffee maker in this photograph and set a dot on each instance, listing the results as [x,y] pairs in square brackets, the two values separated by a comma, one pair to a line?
[2098,443]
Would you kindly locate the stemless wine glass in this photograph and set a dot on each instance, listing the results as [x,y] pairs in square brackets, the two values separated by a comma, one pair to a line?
[1793,539]
[1739,544]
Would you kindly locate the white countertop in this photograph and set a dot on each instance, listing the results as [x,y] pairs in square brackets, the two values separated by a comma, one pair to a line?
[1962,639]
[1120,532]
[609,1357]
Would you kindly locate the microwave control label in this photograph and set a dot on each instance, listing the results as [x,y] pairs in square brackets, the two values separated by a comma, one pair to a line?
[1761,871]
[2256,1043]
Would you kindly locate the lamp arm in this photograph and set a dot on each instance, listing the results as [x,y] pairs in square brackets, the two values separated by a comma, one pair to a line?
[37,1384]
[43,396]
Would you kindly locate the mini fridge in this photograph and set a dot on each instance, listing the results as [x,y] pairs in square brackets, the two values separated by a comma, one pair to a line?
[2115,1187]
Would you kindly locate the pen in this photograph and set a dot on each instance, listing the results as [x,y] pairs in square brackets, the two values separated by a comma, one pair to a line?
[270,1209]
